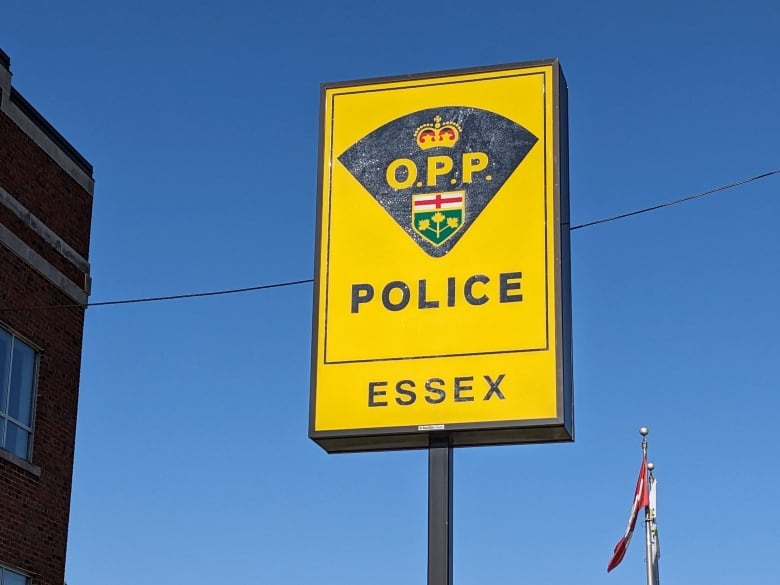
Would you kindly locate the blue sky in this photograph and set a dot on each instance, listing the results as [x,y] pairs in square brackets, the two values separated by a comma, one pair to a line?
[201,119]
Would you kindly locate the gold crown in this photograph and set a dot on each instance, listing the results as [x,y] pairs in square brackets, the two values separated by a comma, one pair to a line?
[437,134]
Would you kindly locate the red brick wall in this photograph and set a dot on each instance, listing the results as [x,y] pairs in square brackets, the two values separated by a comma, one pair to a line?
[10,220]
[34,510]
[38,183]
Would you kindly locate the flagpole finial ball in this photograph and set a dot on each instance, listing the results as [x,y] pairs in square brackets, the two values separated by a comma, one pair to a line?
[651,466]
[643,431]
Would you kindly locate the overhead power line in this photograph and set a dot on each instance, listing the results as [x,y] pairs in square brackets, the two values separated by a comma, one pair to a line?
[308,280]
[215,293]
[676,201]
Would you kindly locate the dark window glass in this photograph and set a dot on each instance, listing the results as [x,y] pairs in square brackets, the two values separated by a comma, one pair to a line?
[22,373]
[12,578]
[17,440]
[17,390]
[5,368]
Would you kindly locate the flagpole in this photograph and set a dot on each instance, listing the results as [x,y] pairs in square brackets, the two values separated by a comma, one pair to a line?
[648,545]
[653,526]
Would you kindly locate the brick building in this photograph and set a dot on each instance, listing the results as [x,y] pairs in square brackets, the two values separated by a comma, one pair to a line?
[46,191]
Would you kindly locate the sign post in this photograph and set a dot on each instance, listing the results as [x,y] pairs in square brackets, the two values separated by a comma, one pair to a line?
[440,511]
[442,309]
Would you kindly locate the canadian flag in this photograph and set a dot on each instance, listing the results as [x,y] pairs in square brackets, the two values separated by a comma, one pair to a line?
[641,500]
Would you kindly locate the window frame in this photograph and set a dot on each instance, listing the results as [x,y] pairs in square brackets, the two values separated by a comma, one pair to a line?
[26,576]
[5,416]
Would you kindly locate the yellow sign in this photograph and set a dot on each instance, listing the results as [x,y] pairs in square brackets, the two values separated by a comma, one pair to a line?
[442,266]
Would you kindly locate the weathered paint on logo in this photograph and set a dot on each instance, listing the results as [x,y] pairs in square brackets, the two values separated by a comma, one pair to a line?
[447,153]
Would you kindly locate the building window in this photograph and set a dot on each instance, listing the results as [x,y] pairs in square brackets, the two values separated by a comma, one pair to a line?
[17,384]
[9,577]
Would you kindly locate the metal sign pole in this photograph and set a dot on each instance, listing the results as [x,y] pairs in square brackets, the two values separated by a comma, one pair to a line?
[440,511]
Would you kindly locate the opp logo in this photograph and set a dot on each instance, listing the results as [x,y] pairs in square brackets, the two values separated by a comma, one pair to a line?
[434,171]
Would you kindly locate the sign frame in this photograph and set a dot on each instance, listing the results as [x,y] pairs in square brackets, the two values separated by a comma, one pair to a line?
[559,428]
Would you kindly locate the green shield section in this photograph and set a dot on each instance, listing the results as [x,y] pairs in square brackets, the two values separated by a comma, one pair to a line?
[437,226]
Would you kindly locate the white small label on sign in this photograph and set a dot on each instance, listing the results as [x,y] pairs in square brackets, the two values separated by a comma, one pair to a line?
[430,428]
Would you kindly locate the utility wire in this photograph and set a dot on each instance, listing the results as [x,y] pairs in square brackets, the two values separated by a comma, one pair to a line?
[308,280]
[165,298]
[676,201]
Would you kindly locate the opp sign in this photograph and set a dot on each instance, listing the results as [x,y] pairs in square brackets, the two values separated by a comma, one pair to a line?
[442,289]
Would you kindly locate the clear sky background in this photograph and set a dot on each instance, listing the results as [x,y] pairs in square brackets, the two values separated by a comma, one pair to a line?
[201,118]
